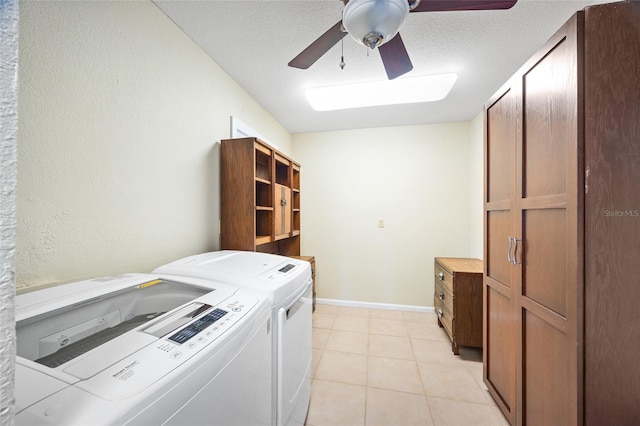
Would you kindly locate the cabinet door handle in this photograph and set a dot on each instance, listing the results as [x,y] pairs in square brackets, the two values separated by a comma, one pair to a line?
[440,313]
[515,250]
[441,296]
[441,276]
[513,244]
[283,202]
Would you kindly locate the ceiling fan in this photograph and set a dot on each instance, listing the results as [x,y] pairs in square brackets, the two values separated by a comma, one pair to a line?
[375,23]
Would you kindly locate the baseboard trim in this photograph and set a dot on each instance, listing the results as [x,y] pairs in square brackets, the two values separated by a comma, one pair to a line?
[373,305]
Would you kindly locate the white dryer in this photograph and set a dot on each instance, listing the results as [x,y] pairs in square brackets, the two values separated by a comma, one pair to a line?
[287,282]
[140,349]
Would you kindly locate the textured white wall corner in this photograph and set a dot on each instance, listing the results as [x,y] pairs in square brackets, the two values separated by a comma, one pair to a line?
[8,143]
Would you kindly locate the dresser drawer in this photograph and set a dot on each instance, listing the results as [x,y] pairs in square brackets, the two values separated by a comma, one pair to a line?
[444,295]
[445,317]
[444,277]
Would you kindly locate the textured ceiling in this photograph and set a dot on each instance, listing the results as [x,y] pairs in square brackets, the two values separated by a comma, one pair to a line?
[253,40]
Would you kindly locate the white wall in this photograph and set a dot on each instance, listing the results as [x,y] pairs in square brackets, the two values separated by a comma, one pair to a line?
[418,179]
[120,114]
[476,185]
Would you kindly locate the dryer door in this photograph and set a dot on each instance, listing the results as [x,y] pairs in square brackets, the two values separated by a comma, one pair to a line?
[294,361]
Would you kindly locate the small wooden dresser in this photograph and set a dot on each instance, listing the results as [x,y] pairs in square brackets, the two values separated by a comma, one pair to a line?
[458,300]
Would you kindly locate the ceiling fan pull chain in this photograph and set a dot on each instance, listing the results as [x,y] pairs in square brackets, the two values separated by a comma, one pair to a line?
[342,64]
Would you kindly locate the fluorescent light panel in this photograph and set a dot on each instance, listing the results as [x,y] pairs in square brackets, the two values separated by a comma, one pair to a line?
[426,88]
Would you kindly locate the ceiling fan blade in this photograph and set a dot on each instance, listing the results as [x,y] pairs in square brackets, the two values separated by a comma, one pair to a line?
[326,41]
[452,5]
[395,57]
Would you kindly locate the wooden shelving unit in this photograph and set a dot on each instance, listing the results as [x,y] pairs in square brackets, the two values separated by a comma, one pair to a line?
[260,198]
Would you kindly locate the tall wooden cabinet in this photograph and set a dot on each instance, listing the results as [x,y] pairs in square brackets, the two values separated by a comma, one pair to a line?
[259,197]
[562,227]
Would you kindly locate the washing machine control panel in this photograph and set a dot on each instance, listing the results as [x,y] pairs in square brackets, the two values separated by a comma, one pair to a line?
[286,268]
[204,329]
[198,326]
[139,370]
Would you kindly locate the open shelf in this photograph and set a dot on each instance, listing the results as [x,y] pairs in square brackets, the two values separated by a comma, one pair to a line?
[263,165]
[295,177]
[264,223]
[296,199]
[296,222]
[264,194]
[282,173]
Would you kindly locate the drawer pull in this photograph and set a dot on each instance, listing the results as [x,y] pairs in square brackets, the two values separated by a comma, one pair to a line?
[440,313]
[441,276]
[441,296]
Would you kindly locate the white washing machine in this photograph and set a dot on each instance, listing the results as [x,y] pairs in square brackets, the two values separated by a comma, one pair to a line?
[287,283]
[141,349]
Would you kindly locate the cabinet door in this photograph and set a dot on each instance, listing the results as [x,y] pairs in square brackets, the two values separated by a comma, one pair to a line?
[501,135]
[547,205]
[282,211]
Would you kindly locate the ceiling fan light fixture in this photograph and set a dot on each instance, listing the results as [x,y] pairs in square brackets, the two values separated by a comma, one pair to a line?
[374,22]
[372,40]
[425,88]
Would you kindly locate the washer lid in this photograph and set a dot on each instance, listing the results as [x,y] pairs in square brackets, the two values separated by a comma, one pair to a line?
[278,277]
[60,326]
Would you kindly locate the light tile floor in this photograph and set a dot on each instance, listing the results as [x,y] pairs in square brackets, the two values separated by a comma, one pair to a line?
[393,368]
